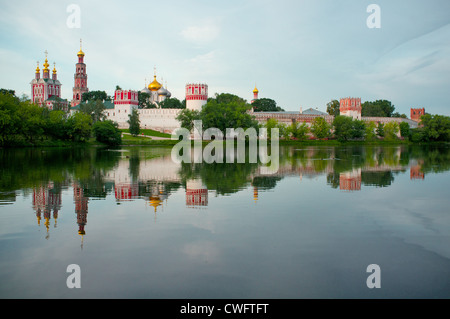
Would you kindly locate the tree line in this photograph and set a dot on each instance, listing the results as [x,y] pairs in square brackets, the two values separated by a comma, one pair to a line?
[26,123]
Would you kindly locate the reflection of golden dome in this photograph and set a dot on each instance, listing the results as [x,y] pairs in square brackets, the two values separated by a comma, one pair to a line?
[155,85]
[81,232]
[255,90]
[155,201]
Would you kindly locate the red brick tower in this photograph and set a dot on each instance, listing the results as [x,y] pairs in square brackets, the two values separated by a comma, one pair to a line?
[417,113]
[80,83]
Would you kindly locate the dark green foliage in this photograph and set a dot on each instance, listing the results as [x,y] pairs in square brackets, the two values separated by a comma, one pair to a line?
[107,132]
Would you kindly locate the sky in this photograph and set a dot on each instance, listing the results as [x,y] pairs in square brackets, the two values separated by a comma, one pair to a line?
[300,53]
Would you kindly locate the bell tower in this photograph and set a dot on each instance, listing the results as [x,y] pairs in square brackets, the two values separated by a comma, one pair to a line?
[80,79]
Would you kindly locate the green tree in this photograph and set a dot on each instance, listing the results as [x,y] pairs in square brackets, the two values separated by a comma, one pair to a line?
[405,130]
[299,130]
[9,119]
[266,105]
[391,130]
[144,101]
[380,129]
[134,122]
[79,127]
[95,95]
[95,109]
[56,125]
[370,131]
[378,108]
[186,117]
[333,107]
[107,132]
[435,127]
[320,128]
[343,126]
[171,103]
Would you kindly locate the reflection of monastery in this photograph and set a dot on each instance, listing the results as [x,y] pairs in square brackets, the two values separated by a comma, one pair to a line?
[46,91]
[154,180]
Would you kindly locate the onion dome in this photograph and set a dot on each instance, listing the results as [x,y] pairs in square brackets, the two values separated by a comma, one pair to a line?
[46,65]
[155,85]
[54,68]
[37,68]
[162,91]
[255,90]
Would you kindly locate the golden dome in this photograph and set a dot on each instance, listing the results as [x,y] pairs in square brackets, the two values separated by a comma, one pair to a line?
[37,68]
[155,85]
[255,90]
[54,68]
[80,53]
[46,65]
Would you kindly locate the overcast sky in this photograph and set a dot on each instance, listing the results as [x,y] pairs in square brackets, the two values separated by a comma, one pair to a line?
[299,53]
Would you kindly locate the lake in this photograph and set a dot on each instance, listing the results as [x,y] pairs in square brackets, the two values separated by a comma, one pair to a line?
[140,225]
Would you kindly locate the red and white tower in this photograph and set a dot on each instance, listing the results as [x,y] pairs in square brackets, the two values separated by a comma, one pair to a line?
[80,83]
[351,106]
[196,96]
[416,114]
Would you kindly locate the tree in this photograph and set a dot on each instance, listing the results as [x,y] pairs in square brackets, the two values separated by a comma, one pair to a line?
[94,95]
[266,105]
[299,130]
[186,117]
[380,129]
[107,132]
[378,108]
[144,101]
[333,108]
[95,109]
[343,126]
[391,130]
[346,128]
[79,127]
[370,133]
[320,128]
[435,127]
[134,122]
[171,103]
[405,130]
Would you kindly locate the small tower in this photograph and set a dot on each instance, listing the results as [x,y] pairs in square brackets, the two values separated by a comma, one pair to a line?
[416,114]
[54,76]
[255,94]
[351,106]
[196,96]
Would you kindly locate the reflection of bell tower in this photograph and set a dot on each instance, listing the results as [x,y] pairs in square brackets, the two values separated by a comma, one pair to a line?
[81,209]
[350,181]
[416,171]
[196,193]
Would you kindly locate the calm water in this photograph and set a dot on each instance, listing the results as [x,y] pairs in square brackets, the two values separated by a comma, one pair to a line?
[141,226]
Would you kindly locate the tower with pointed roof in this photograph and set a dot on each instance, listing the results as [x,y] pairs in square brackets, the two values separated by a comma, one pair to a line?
[80,78]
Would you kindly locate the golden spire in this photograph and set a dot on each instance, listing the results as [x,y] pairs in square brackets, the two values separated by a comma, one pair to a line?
[54,68]
[37,68]
[255,90]
[80,53]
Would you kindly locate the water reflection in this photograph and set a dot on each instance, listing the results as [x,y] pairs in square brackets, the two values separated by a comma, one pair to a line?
[149,174]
